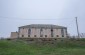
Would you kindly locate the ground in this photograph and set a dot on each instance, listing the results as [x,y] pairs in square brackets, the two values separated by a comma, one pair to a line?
[71,47]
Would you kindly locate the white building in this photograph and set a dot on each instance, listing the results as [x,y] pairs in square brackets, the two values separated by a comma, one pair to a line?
[42,31]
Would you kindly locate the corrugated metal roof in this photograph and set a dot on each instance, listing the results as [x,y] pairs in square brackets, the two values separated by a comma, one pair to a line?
[42,26]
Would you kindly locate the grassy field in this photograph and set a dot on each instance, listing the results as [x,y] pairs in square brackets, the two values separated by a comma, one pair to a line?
[59,48]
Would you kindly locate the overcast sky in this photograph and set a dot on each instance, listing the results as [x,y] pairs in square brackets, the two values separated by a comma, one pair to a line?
[15,13]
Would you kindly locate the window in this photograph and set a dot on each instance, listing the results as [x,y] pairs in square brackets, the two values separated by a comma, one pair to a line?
[45,35]
[41,35]
[41,32]
[51,35]
[57,35]
[29,31]
[62,32]
[51,32]
[22,35]
[66,31]
[55,39]
[28,35]
[62,35]
[35,36]
[41,29]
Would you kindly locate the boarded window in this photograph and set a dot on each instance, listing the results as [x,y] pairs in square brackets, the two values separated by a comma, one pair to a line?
[28,35]
[62,32]
[41,35]
[29,31]
[66,31]
[35,36]
[51,29]
[62,35]
[41,32]
[51,32]
[51,35]
[57,35]
[22,35]
[45,35]
[41,29]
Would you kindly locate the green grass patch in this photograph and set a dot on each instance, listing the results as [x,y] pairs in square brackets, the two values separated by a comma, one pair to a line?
[59,48]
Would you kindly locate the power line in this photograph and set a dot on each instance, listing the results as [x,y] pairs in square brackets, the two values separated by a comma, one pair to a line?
[1,17]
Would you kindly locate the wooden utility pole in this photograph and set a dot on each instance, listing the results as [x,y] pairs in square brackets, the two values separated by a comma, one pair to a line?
[77,27]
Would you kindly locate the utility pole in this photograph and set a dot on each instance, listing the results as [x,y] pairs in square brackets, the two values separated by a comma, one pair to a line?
[77,27]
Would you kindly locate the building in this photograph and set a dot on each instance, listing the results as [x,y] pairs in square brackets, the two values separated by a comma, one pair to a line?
[40,31]
[14,34]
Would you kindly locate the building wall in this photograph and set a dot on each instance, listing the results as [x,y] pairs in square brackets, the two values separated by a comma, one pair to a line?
[23,31]
[36,33]
[14,34]
[57,32]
